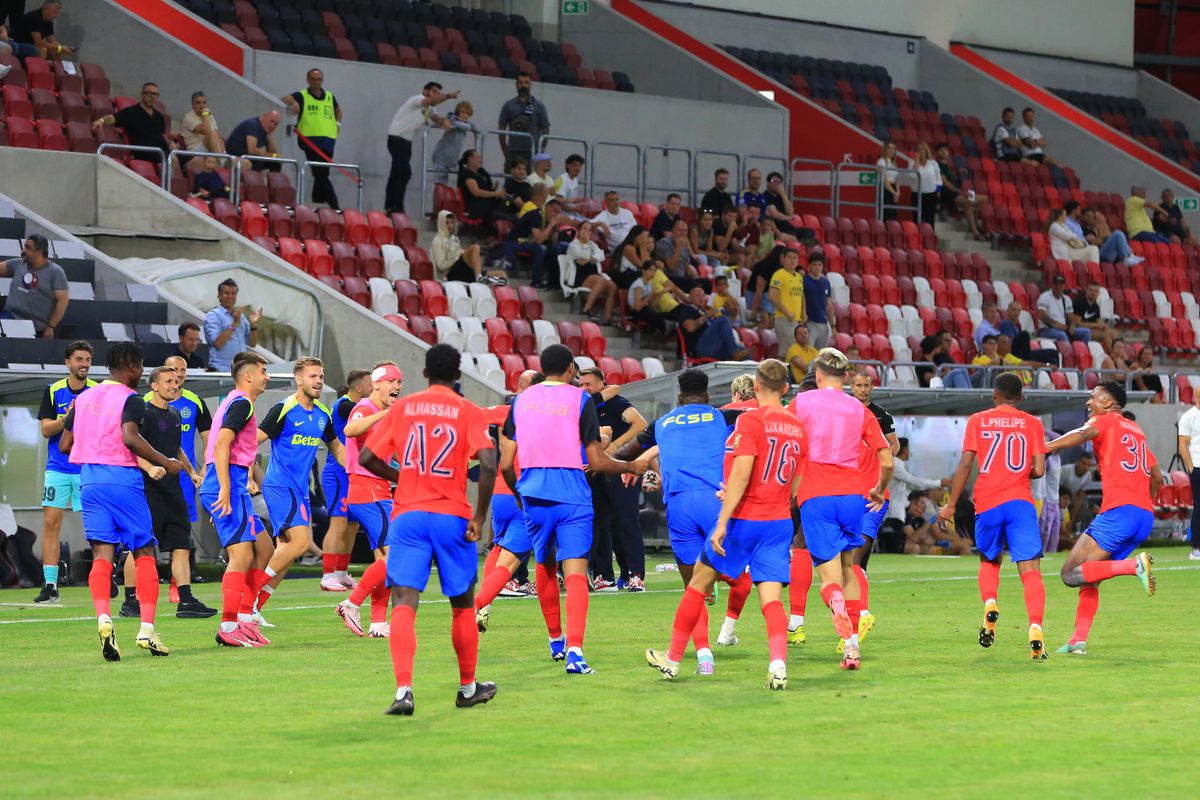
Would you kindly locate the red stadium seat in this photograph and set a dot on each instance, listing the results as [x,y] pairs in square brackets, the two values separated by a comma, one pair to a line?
[611,369]
[356,289]
[279,221]
[433,297]
[531,304]
[524,342]
[320,262]
[308,226]
[513,365]
[332,227]
[500,339]
[223,210]
[291,251]
[633,369]
[422,328]
[370,261]
[570,335]
[594,344]
[254,222]
[345,259]
[379,228]
[752,342]
[409,297]
[356,227]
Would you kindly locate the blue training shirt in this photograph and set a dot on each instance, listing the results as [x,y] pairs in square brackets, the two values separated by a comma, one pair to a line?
[295,433]
[55,401]
[691,447]
[341,415]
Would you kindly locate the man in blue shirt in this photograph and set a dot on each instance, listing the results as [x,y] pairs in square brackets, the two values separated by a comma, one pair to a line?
[818,301]
[227,329]
[753,195]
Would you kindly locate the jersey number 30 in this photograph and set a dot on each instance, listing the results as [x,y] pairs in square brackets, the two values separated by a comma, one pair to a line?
[1016,451]
[419,446]
[1137,460]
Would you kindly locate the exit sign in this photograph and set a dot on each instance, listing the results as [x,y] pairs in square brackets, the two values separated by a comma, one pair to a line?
[574,6]
[867,178]
[1189,204]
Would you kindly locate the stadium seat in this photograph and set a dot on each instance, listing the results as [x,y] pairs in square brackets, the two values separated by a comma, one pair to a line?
[595,345]
[524,342]
[500,339]
[383,297]
[433,298]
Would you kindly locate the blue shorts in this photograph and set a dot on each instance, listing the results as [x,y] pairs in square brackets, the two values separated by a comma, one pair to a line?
[115,514]
[373,518]
[335,483]
[871,520]
[509,529]
[61,490]
[690,518]
[832,525]
[1119,530]
[763,545]
[416,538]
[189,495]
[239,524]
[286,508]
[558,530]
[1014,524]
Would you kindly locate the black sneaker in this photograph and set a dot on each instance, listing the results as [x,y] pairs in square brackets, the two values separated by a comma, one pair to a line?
[483,693]
[193,609]
[113,591]
[48,595]
[131,608]
[404,706]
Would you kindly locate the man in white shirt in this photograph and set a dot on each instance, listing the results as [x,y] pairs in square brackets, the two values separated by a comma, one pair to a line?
[1032,141]
[414,113]
[541,172]
[614,221]
[904,482]
[1056,315]
[566,187]
[1189,451]
[199,127]
[1074,479]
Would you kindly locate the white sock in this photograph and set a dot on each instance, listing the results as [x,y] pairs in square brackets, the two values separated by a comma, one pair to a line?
[102,618]
[727,626]
[467,689]
[341,573]
[704,654]
[991,600]
[776,664]
[228,627]
[487,609]
[245,617]
[147,629]
[852,641]
[795,621]
[351,603]
[401,691]
[576,650]
[558,638]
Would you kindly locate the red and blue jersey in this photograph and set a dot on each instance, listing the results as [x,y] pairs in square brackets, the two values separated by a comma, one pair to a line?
[1124,460]
[779,444]
[1005,441]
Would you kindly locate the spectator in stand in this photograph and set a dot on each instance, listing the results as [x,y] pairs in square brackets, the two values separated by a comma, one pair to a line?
[1065,244]
[447,154]
[318,120]
[818,300]
[989,325]
[1057,315]
[227,329]
[414,114]
[615,223]
[780,209]
[1137,222]
[189,342]
[481,199]
[632,255]
[725,239]
[702,239]
[208,183]
[1074,479]
[1114,247]
[753,195]
[1032,142]
[1005,140]
[888,178]
[523,114]
[1087,314]
[716,198]
[1020,339]
[11,47]
[953,199]
[1144,377]
[706,333]
[200,131]
[37,28]
[39,290]
[142,124]
[1168,220]
[929,182]
[452,262]
[566,187]
[677,253]
[647,295]
[786,293]
[1009,359]
[767,238]
[800,353]
[588,256]
[517,187]
[725,301]
[988,356]
[748,232]
[534,233]
[667,216]
[918,530]
[1117,360]
[255,137]
[1189,454]
[905,483]
[936,348]
[541,172]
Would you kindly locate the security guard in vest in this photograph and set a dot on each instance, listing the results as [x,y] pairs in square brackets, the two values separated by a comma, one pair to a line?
[319,118]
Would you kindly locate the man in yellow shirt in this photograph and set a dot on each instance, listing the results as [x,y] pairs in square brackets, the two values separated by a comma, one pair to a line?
[787,296]
[725,301]
[1004,350]
[800,354]
[1138,226]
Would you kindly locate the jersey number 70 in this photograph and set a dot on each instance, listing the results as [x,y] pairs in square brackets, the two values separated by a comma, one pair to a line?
[419,446]
[1016,451]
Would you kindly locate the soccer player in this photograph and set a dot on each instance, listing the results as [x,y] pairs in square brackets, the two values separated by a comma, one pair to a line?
[162,427]
[228,457]
[296,427]
[1010,447]
[831,498]
[101,432]
[553,429]
[764,459]
[1129,479]
[801,568]
[434,434]
[741,391]
[61,484]
[339,538]
[369,501]
[689,444]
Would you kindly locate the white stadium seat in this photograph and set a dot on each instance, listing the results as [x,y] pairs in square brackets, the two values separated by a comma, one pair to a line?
[448,332]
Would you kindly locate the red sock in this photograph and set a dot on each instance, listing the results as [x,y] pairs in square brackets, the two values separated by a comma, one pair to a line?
[577,608]
[379,603]
[801,581]
[686,617]
[264,594]
[403,643]
[1096,571]
[100,582]
[989,580]
[232,587]
[343,562]
[739,590]
[374,576]
[831,593]
[493,581]
[854,610]
[1035,596]
[255,578]
[547,592]
[328,563]
[465,636]
[700,632]
[864,587]
[1085,612]
[489,563]
[777,630]
[147,586]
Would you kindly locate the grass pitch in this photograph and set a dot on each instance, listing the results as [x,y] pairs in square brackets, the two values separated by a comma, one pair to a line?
[931,714]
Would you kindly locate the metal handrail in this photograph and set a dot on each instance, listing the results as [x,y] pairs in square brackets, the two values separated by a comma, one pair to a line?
[235,187]
[1047,368]
[737,171]
[306,165]
[875,170]
[666,151]
[164,180]
[833,182]
[241,161]
[481,141]
[592,181]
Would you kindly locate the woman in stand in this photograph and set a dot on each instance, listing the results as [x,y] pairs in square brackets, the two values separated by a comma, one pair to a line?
[929,182]
[1064,244]
[481,199]
[626,263]
[887,178]
[587,256]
